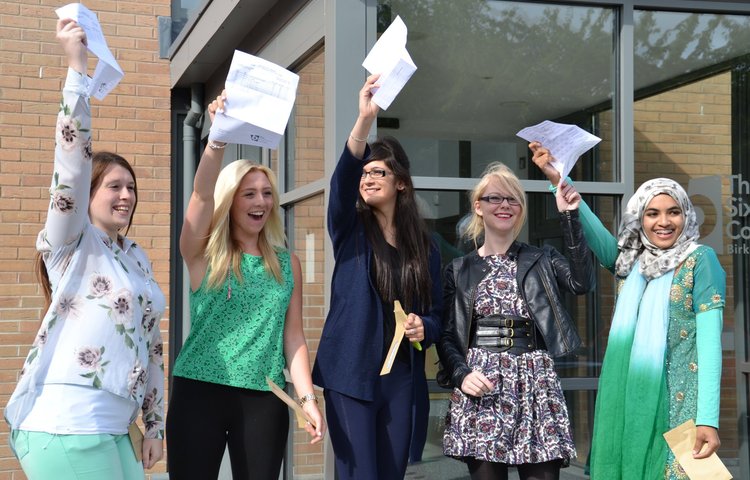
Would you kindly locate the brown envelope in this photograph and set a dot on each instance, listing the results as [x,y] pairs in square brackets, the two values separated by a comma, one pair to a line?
[398,335]
[302,417]
[681,440]
[136,440]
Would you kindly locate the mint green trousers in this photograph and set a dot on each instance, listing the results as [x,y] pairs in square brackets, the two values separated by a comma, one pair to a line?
[46,456]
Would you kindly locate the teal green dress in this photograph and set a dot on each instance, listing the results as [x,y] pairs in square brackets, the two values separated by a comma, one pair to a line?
[698,286]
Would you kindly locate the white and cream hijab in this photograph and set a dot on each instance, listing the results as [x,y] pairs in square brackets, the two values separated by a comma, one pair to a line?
[633,242]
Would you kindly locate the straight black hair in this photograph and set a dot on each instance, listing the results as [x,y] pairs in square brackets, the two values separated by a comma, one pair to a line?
[412,236]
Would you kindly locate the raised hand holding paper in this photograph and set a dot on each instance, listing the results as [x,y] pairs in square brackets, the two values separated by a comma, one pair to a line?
[108,72]
[566,142]
[260,97]
[390,59]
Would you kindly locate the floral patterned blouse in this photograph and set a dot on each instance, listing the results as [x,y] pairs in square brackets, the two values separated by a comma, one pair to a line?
[102,328]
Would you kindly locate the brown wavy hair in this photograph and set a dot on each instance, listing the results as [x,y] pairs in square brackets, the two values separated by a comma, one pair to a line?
[101,162]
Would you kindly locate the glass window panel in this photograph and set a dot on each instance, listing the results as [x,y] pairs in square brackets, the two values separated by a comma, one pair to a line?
[181,12]
[250,152]
[501,67]
[689,67]
[304,139]
[307,237]
[670,45]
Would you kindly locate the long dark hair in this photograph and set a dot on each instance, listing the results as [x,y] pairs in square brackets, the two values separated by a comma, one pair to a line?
[412,235]
[100,164]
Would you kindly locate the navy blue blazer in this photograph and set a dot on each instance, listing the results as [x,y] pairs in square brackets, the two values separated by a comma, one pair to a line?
[349,356]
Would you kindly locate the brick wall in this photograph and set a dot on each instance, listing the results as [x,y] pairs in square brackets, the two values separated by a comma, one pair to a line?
[133,121]
[309,235]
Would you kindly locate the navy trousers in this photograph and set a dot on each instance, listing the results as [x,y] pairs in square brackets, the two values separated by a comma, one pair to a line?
[371,438]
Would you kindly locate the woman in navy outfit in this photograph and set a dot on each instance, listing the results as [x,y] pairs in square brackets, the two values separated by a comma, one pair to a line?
[383,253]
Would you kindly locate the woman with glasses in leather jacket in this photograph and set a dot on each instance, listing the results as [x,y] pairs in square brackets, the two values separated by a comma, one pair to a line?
[504,321]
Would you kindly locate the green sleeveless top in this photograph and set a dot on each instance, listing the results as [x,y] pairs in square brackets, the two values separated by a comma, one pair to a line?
[238,341]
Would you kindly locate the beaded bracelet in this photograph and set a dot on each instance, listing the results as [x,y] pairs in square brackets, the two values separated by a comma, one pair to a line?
[215,146]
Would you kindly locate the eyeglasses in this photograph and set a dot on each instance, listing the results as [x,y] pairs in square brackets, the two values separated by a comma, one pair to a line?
[374,173]
[499,199]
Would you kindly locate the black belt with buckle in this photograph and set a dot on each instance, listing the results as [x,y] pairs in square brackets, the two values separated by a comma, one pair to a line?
[506,333]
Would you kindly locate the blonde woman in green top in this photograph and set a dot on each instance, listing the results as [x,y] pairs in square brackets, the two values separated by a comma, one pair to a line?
[246,324]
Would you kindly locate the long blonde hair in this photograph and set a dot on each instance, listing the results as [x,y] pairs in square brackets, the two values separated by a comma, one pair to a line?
[222,249]
[508,181]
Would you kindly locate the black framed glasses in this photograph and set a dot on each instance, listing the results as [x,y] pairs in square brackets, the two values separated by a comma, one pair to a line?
[374,173]
[499,199]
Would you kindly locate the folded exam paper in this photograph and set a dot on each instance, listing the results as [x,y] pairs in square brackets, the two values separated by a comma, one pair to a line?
[390,59]
[108,72]
[566,142]
[260,97]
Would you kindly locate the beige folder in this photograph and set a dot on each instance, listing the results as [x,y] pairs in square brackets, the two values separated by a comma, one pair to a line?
[302,416]
[681,440]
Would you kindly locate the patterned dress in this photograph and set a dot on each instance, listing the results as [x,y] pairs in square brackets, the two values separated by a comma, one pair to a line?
[690,294]
[524,419]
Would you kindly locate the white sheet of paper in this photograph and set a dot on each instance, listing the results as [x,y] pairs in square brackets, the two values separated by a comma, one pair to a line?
[390,59]
[566,142]
[260,98]
[108,72]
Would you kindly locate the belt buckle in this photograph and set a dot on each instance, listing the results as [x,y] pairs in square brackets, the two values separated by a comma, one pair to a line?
[509,323]
[506,342]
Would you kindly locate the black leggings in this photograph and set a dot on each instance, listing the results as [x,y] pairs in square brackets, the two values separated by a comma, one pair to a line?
[205,417]
[481,470]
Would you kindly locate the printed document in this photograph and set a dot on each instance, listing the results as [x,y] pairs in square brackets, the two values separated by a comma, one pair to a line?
[566,142]
[108,72]
[260,97]
[390,59]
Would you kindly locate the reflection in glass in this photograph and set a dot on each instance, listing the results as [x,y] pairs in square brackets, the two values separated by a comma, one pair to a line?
[691,71]
[670,45]
[181,12]
[501,66]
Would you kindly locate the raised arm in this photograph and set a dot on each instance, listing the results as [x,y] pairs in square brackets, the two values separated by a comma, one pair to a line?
[71,180]
[200,209]
[344,181]
[576,273]
[600,240]
[368,112]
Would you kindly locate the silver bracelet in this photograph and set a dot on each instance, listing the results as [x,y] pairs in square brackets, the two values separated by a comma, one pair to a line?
[307,398]
[215,146]
[357,139]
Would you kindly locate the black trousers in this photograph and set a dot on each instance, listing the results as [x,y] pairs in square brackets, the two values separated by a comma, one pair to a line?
[203,418]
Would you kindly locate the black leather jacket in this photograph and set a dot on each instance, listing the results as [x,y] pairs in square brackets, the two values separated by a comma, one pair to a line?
[542,274]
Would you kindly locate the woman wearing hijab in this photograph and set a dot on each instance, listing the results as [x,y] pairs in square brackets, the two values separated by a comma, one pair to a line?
[662,366]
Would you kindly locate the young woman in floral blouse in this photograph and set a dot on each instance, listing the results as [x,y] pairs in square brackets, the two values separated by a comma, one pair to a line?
[98,355]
